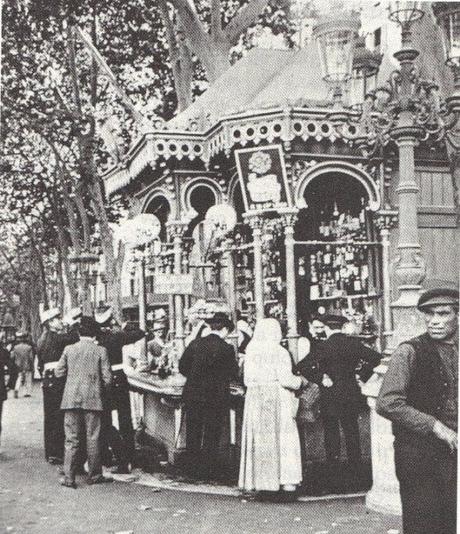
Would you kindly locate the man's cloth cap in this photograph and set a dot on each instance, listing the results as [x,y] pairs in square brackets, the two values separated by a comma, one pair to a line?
[441,296]
[334,321]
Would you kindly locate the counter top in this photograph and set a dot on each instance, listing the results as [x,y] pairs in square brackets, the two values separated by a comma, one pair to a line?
[171,386]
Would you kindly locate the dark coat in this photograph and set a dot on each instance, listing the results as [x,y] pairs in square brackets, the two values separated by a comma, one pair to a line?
[51,345]
[5,367]
[115,340]
[342,358]
[209,363]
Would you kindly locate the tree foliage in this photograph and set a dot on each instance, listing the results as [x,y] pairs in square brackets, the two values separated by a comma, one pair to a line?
[66,119]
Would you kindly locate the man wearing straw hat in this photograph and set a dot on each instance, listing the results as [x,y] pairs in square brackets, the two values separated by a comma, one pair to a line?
[419,396]
[114,339]
[49,349]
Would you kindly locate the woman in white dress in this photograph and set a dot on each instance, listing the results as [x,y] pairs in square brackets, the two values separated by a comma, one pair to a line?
[270,449]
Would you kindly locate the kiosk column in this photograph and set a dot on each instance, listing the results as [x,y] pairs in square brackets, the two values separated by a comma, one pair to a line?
[255,221]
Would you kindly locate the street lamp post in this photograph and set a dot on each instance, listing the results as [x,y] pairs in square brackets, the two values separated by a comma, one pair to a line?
[85,264]
[137,234]
[405,110]
[448,17]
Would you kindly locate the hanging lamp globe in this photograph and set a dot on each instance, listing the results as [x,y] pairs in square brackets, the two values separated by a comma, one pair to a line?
[448,18]
[404,12]
[336,38]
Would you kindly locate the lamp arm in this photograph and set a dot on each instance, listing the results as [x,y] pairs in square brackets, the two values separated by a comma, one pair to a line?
[453,140]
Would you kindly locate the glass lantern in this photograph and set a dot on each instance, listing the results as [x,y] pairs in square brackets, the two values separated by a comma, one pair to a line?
[405,13]
[336,38]
[448,17]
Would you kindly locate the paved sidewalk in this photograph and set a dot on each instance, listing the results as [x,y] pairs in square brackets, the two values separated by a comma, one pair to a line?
[32,502]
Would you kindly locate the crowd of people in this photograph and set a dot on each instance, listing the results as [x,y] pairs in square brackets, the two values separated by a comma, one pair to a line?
[281,398]
[88,415]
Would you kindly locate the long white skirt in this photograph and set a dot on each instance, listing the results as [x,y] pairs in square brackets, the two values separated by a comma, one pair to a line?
[270,448]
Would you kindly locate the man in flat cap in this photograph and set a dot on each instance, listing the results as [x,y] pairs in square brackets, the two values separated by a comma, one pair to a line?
[340,360]
[419,396]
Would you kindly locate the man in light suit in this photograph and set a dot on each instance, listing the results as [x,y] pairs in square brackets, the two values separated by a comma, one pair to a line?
[87,368]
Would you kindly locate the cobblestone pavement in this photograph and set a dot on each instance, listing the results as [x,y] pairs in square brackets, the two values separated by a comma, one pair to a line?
[32,502]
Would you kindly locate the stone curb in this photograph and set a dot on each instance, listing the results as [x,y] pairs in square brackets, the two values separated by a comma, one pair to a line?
[149,480]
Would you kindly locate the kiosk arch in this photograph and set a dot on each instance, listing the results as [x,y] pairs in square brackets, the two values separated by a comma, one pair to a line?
[322,170]
[160,204]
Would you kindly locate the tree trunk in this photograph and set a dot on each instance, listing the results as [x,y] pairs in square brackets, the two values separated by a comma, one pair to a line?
[112,270]
[181,59]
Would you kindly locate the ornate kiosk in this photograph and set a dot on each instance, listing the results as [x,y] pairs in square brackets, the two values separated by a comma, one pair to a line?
[316,212]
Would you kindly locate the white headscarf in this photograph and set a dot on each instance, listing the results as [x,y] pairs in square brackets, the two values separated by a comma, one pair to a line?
[263,351]
[266,331]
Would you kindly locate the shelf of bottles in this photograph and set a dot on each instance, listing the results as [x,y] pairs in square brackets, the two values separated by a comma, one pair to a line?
[339,267]
[243,258]
[273,268]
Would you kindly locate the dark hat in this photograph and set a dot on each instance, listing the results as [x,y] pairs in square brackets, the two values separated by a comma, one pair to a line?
[220,320]
[333,321]
[88,327]
[317,317]
[440,296]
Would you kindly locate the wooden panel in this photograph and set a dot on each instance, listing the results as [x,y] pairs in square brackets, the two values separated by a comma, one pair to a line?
[448,190]
[435,217]
[435,188]
[440,250]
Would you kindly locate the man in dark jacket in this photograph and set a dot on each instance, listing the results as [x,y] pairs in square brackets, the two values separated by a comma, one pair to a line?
[209,363]
[6,367]
[49,349]
[114,339]
[339,357]
[419,396]
[85,365]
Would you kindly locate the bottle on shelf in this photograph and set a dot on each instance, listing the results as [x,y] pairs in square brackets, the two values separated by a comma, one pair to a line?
[314,286]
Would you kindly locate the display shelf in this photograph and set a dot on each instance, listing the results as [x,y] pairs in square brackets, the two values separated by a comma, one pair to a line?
[346,297]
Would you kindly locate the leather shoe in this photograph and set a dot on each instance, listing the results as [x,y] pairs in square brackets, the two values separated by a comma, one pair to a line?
[99,480]
[68,483]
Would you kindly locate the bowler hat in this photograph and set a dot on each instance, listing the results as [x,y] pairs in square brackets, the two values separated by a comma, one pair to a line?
[220,320]
[334,321]
[440,296]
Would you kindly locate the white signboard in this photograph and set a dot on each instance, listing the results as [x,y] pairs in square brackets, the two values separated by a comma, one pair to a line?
[173,284]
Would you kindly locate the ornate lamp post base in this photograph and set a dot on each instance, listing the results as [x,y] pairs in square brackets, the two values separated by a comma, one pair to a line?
[383,497]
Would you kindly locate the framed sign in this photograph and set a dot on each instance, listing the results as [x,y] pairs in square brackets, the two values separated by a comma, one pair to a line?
[173,284]
[262,174]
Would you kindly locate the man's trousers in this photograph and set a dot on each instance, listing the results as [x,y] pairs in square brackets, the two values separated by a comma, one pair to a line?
[120,401]
[350,427]
[204,426]
[24,379]
[428,484]
[53,389]
[76,424]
